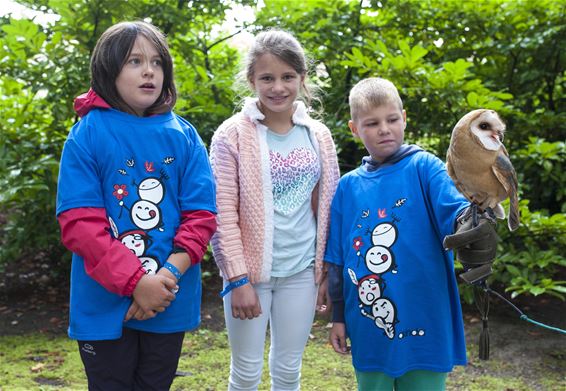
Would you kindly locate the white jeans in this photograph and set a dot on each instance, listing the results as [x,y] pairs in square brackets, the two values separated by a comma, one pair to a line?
[288,303]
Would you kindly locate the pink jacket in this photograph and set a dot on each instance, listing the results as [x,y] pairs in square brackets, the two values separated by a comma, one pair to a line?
[239,156]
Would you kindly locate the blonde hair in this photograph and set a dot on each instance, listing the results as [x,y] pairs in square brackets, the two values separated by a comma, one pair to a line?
[373,92]
[284,46]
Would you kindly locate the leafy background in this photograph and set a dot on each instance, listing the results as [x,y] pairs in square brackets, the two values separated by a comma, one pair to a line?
[446,57]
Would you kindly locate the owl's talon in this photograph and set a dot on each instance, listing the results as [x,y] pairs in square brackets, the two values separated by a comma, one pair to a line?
[490,214]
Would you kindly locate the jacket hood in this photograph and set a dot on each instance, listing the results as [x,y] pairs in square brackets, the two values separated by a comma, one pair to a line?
[405,150]
[88,101]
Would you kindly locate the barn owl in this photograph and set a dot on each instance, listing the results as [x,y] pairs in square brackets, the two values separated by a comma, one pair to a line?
[479,164]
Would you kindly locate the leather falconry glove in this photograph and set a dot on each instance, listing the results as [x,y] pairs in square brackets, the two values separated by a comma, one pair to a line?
[475,246]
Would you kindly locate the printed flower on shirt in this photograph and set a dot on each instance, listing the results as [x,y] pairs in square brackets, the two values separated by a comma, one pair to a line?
[357,244]
[120,192]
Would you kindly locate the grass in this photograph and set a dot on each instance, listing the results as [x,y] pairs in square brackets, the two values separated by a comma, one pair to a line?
[206,356]
[46,362]
[40,362]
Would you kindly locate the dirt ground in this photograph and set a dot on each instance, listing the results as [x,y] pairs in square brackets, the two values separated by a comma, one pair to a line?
[31,304]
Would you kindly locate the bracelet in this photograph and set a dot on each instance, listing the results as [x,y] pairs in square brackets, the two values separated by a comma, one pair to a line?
[173,269]
[234,284]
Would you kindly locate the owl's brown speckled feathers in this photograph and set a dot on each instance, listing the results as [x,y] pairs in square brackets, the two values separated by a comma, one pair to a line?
[479,164]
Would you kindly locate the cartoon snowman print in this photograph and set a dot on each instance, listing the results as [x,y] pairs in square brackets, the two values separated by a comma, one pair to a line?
[382,310]
[379,260]
[145,212]
[137,241]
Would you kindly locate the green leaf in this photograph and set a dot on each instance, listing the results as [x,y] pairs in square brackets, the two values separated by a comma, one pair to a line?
[513,270]
[418,52]
[457,70]
[537,291]
[472,99]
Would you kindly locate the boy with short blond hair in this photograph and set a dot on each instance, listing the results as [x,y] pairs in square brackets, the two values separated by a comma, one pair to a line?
[373,92]
[391,281]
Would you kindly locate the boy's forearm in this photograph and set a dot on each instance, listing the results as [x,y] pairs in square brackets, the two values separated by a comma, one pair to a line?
[335,290]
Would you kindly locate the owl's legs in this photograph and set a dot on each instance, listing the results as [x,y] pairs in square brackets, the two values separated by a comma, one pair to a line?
[474,208]
[490,213]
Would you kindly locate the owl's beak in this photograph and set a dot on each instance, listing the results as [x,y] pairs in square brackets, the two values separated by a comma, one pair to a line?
[500,135]
[497,135]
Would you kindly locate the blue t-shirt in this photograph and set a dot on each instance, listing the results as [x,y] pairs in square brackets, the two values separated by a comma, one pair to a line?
[295,171]
[144,171]
[402,308]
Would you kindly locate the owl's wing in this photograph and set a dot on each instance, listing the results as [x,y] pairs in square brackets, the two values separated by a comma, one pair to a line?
[449,166]
[459,185]
[506,175]
[452,173]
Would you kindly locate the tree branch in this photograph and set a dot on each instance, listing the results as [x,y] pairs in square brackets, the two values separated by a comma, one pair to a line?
[222,40]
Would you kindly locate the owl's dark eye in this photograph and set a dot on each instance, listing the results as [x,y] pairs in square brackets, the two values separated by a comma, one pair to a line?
[484,126]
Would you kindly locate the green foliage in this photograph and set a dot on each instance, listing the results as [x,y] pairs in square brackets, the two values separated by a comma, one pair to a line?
[533,260]
[539,165]
[525,268]
[446,57]
[426,87]
[29,151]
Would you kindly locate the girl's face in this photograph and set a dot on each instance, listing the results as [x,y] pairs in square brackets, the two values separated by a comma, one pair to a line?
[140,81]
[276,84]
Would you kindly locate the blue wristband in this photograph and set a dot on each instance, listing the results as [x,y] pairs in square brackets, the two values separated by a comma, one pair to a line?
[173,269]
[232,285]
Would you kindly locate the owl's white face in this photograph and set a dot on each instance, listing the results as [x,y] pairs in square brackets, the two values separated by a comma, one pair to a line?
[489,129]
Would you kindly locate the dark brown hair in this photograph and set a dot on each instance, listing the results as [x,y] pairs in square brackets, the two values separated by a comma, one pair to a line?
[111,53]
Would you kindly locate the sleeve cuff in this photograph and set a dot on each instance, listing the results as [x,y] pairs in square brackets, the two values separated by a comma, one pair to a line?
[131,285]
[338,311]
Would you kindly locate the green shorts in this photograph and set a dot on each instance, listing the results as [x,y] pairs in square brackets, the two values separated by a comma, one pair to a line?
[410,381]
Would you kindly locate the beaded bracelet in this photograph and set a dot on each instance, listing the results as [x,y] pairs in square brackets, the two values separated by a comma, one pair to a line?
[234,284]
[173,269]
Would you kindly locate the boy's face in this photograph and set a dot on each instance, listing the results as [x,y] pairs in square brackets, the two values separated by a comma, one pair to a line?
[381,129]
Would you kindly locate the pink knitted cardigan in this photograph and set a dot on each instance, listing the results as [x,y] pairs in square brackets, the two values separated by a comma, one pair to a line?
[239,156]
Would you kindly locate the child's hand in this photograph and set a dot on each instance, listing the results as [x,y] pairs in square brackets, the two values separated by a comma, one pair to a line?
[245,303]
[153,293]
[136,312]
[475,246]
[323,302]
[338,338]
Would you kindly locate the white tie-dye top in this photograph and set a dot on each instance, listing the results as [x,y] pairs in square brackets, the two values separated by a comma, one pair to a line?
[295,171]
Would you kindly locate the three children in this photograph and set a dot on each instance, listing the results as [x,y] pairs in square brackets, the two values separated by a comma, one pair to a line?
[136,205]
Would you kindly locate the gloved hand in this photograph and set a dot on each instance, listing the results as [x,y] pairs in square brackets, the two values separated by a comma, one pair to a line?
[475,247]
